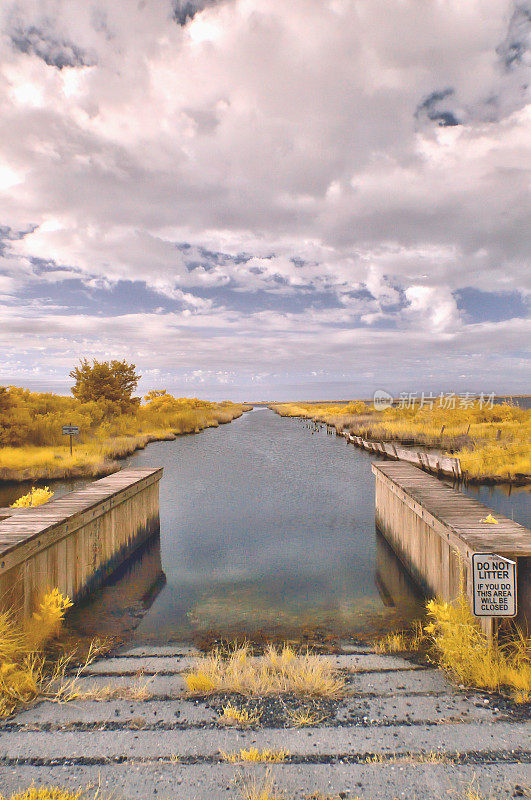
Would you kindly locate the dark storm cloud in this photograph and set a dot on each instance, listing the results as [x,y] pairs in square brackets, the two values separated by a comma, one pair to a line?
[433,108]
[185,10]
[515,48]
[54,52]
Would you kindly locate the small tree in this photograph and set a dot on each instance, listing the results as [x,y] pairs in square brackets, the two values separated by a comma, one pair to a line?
[153,394]
[105,380]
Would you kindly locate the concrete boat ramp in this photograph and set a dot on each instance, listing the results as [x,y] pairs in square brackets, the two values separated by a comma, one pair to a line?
[400,731]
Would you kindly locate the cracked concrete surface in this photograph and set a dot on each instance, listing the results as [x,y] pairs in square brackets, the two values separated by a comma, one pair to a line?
[400,731]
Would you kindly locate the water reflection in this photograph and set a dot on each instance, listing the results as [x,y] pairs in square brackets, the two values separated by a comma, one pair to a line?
[119,606]
[266,531]
[279,610]
[397,588]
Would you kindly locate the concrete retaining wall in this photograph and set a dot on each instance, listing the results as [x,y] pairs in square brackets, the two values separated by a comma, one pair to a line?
[73,543]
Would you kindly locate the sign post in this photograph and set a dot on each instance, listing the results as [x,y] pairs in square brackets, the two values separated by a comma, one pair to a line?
[70,430]
[494,585]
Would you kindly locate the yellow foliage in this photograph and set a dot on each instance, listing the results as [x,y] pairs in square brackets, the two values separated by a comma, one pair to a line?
[32,444]
[45,793]
[232,715]
[35,497]
[468,657]
[254,755]
[490,442]
[26,670]
[304,717]
[275,672]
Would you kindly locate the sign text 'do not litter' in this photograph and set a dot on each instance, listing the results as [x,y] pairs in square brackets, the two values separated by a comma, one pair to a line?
[494,589]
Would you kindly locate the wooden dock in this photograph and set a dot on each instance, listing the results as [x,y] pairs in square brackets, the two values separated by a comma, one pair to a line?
[436,463]
[435,530]
[74,542]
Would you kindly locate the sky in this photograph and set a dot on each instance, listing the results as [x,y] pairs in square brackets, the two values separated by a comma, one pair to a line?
[261,199]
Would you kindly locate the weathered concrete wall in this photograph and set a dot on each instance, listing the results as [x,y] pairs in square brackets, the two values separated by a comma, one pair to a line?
[434,530]
[74,542]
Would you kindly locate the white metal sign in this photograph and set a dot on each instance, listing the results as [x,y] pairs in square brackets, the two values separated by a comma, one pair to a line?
[494,579]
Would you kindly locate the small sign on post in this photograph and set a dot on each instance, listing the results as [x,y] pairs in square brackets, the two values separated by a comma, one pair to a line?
[70,430]
[494,585]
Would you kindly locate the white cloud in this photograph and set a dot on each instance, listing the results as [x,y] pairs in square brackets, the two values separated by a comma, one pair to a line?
[305,135]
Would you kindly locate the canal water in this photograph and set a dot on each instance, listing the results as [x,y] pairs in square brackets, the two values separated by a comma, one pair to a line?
[267,530]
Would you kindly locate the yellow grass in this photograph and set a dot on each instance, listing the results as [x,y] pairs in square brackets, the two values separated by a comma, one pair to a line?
[468,657]
[137,690]
[32,445]
[27,670]
[253,789]
[490,442]
[250,788]
[277,671]
[238,716]
[256,756]
[304,718]
[401,641]
[35,497]
[45,793]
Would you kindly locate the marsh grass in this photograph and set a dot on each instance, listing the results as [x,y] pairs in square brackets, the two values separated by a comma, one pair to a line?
[279,670]
[33,447]
[490,442]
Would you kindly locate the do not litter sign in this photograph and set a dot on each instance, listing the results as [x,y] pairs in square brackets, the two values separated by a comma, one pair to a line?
[494,579]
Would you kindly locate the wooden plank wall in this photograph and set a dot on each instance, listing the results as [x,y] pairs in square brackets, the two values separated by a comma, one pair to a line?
[435,529]
[73,543]
[432,462]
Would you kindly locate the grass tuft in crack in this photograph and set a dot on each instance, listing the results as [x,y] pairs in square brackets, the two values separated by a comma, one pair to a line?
[277,671]
[256,756]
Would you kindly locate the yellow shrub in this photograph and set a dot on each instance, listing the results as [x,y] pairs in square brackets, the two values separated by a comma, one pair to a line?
[26,671]
[468,657]
[35,497]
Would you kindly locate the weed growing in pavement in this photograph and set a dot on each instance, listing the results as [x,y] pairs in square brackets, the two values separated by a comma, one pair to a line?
[232,715]
[401,641]
[256,756]
[277,671]
[301,718]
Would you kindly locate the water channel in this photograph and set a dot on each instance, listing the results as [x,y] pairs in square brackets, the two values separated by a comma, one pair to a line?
[267,530]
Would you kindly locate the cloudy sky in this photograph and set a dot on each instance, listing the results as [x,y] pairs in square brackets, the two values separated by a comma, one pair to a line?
[266,198]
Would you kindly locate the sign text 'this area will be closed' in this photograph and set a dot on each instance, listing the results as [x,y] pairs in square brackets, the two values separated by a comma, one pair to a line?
[494,580]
